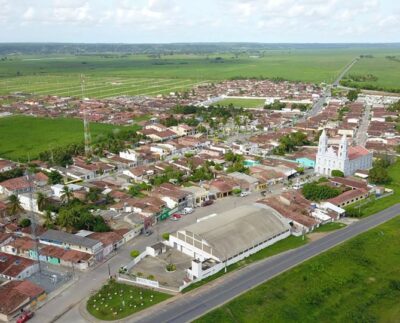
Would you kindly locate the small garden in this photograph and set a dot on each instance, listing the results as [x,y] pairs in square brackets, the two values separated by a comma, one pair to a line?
[115,300]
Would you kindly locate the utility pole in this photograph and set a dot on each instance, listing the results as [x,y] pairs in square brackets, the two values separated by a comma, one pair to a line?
[32,216]
[87,136]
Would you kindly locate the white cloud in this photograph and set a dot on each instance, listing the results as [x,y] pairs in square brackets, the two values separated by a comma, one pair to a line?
[29,14]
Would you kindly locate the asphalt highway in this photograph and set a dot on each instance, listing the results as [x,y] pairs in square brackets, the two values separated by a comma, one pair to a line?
[195,304]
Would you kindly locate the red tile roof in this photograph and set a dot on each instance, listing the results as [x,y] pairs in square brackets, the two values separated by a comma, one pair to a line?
[357,152]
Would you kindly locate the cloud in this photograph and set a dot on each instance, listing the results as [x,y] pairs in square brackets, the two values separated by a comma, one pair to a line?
[29,14]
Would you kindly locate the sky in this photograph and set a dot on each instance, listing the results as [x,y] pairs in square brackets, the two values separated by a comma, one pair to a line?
[166,21]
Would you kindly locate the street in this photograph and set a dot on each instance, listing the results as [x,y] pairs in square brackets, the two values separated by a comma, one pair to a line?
[362,131]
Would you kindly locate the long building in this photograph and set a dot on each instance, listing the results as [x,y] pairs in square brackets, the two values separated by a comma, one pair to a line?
[220,240]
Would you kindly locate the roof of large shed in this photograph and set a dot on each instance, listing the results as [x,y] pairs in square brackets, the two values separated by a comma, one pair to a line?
[234,231]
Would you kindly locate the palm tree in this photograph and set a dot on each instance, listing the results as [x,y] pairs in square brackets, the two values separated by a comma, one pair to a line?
[66,194]
[41,201]
[14,205]
[48,220]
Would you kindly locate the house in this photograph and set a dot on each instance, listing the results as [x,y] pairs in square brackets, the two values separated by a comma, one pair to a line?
[58,189]
[15,267]
[222,187]
[16,186]
[198,194]
[349,197]
[111,240]
[6,165]
[246,182]
[72,241]
[16,296]
[172,195]
[306,162]
[66,257]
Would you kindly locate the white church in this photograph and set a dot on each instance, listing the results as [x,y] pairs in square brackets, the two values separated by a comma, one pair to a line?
[346,158]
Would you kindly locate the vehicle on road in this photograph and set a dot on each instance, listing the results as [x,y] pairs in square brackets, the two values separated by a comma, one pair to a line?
[244,194]
[207,203]
[148,233]
[176,217]
[25,316]
[187,210]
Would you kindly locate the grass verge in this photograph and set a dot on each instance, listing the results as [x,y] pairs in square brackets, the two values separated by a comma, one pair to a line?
[289,243]
[332,226]
[115,301]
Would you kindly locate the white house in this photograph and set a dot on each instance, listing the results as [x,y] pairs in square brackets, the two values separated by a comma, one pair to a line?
[343,158]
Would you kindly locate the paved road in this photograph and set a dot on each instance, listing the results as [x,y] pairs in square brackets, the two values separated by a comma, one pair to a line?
[362,131]
[64,307]
[343,73]
[195,304]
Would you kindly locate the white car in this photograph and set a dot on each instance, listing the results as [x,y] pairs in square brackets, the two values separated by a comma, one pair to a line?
[187,210]
[243,194]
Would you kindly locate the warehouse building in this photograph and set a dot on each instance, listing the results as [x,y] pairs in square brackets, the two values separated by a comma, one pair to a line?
[219,240]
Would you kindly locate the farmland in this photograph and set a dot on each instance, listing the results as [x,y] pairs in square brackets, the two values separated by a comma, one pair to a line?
[355,282]
[377,73]
[242,103]
[23,138]
[113,75]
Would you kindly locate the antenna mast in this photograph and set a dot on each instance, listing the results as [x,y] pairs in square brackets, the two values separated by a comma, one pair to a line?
[88,150]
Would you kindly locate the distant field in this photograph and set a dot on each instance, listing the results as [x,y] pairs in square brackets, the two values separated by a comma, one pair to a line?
[386,71]
[25,137]
[112,75]
[358,281]
[243,103]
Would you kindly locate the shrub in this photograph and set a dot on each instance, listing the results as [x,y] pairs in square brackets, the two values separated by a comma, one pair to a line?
[151,277]
[170,267]
[337,173]
[135,253]
[24,223]
[353,212]
[237,191]
[165,236]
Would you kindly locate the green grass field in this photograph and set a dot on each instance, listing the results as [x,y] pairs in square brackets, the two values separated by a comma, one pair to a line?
[115,301]
[358,281]
[23,137]
[328,227]
[243,103]
[108,76]
[387,72]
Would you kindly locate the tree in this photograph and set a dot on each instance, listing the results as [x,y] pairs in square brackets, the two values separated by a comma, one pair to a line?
[316,192]
[48,220]
[66,194]
[24,223]
[352,95]
[41,201]
[165,236]
[379,175]
[14,205]
[337,173]
[54,178]
[135,253]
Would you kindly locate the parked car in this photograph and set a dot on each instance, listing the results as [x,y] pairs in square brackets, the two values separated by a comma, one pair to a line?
[176,217]
[244,194]
[148,233]
[187,210]
[25,316]
[207,203]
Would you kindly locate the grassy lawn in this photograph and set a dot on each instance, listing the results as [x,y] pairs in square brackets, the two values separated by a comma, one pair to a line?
[115,301]
[358,281]
[25,137]
[243,103]
[279,247]
[332,226]
[386,71]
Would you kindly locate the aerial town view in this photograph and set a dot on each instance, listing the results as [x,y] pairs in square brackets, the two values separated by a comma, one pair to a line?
[199,161]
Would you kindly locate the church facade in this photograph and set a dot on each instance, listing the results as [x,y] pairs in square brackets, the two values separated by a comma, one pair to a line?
[347,159]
